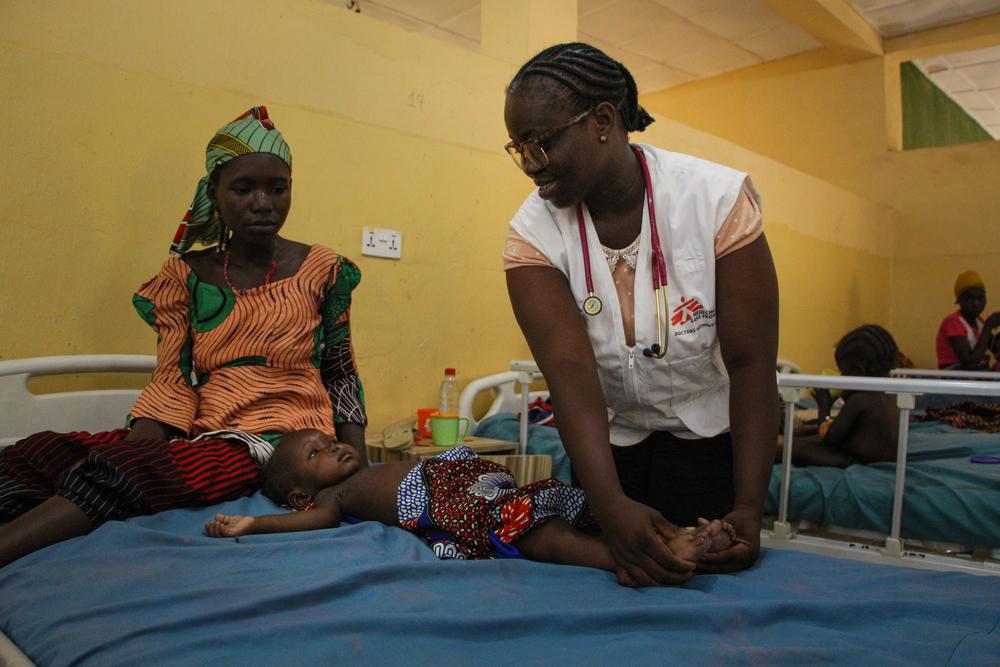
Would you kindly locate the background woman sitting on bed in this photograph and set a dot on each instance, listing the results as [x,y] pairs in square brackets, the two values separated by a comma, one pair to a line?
[646,392]
[252,334]
[866,428]
[964,338]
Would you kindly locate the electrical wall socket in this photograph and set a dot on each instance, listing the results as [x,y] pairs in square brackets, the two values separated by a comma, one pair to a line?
[379,242]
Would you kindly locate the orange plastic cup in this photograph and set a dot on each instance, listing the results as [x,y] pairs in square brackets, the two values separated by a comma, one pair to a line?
[424,422]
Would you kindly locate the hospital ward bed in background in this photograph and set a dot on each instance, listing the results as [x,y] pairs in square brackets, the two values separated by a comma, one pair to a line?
[156,591]
[952,504]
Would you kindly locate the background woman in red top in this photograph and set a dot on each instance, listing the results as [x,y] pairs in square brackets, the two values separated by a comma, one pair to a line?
[964,338]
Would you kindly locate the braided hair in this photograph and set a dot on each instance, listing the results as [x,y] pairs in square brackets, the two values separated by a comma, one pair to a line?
[871,349]
[590,77]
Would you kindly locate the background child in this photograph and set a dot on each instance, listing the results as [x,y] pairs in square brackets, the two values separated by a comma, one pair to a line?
[866,428]
[466,507]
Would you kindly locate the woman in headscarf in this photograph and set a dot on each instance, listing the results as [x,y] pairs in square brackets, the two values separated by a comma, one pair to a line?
[253,341]
[645,288]
[964,338]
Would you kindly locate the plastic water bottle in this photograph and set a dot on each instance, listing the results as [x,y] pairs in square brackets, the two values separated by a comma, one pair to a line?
[449,394]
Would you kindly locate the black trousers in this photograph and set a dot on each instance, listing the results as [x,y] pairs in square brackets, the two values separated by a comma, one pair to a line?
[682,479]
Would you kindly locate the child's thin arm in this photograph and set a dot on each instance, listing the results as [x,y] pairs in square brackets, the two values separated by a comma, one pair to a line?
[326,514]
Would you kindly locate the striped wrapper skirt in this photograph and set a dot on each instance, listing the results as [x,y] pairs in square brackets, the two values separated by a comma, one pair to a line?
[112,479]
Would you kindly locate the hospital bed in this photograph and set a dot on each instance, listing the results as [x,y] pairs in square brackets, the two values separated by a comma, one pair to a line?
[156,591]
[952,503]
[935,492]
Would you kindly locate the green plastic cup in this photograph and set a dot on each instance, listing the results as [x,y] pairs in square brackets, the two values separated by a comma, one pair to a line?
[445,430]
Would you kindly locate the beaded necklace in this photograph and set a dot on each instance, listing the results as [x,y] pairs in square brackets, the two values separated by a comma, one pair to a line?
[267,276]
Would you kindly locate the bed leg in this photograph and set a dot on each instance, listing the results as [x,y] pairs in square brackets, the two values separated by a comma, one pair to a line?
[893,542]
[782,529]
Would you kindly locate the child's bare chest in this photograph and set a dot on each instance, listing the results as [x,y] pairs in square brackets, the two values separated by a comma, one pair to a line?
[371,494]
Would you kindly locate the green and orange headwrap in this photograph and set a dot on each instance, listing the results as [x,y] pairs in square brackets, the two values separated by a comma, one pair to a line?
[253,132]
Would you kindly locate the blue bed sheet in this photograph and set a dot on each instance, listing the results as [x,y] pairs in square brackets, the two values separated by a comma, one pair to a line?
[155,591]
[948,497]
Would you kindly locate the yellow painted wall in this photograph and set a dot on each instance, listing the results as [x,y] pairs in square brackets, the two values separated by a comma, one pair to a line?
[108,108]
[827,117]
[107,114]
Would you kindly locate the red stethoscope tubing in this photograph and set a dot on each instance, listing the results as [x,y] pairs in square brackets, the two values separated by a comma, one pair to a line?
[659,263]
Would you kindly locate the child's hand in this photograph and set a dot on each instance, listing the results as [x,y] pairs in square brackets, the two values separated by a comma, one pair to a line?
[229,526]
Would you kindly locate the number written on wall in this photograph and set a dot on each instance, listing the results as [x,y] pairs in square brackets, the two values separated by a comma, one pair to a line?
[417,100]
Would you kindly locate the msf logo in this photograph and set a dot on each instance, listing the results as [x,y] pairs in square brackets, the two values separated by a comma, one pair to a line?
[688,311]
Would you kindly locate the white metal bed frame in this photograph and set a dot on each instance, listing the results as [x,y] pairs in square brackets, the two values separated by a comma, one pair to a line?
[906,390]
[23,412]
[791,384]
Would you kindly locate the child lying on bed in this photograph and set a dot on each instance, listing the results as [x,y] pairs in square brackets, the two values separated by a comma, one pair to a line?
[866,428]
[465,506]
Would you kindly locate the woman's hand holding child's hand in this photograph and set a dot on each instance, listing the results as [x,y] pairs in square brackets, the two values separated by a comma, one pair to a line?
[637,535]
[743,551]
[229,526]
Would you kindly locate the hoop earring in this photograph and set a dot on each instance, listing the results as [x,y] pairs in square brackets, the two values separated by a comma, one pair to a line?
[223,233]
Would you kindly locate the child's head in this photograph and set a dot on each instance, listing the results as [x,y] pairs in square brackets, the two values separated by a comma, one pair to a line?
[970,294]
[868,350]
[305,463]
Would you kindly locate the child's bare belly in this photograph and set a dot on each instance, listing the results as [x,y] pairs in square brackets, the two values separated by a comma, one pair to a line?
[370,495]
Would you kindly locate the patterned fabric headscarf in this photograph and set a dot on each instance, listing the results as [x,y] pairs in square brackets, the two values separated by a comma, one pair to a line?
[253,132]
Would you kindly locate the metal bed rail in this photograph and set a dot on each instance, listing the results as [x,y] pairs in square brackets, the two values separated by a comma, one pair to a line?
[790,388]
[993,376]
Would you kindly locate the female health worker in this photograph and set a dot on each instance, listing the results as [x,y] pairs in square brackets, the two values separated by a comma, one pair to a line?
[646,291]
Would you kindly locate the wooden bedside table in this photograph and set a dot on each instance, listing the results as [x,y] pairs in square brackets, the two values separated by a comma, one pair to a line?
[525,468]
[423,449]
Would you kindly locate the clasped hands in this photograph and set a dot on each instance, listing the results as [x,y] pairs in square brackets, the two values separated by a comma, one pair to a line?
[637,536]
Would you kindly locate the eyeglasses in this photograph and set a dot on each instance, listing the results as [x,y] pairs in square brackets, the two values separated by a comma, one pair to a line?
[531,150]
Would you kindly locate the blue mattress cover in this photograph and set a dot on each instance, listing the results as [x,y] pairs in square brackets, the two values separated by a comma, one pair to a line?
[156,591]
[948,497]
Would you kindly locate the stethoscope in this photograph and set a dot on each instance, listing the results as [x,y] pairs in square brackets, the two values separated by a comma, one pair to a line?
[592,305]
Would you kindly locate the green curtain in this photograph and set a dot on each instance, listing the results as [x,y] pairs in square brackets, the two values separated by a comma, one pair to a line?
[930,117]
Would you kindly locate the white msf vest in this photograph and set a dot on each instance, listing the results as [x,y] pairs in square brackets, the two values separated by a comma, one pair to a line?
[693,197]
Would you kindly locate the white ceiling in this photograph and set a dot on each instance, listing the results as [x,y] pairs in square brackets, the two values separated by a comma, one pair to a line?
[972,79]
[893,18]
[665,43]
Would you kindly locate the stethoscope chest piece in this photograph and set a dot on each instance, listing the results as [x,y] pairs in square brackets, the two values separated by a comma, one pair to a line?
[592,305]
